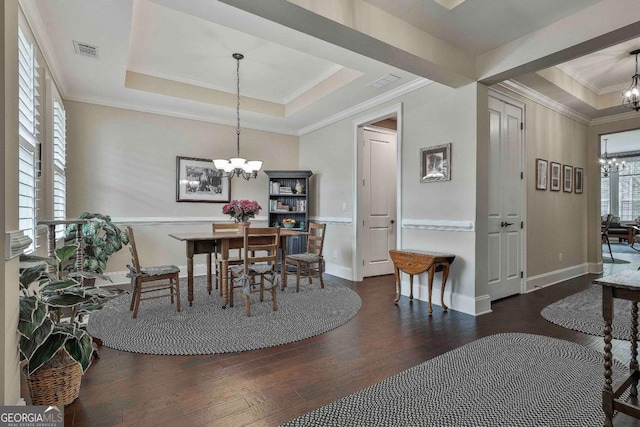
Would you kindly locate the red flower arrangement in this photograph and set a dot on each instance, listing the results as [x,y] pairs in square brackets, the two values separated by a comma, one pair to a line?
[241,210]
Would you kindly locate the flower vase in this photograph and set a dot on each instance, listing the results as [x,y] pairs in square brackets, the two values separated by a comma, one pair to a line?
[243,225]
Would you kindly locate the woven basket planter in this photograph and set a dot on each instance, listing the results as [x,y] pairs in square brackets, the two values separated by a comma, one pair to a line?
[59,385]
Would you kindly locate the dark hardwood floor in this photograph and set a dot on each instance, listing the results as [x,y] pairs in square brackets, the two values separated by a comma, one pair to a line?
[270,386]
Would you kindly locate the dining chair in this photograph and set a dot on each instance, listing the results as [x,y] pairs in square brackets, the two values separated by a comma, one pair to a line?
[309,264]
[258,272]
[605,234]
[151,279]
[223,226]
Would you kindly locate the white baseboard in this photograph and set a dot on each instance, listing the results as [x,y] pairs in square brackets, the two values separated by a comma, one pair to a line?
[338,270]
[474,306]
[551,278]
[596,267]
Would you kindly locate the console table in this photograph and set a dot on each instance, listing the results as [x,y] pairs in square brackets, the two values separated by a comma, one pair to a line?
[413,261]
[623,285]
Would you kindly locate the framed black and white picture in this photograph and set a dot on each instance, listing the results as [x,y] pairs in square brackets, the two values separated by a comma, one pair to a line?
[578,180]
[567,179]
[541,174]
[435,163]
[555,176]
[198,180]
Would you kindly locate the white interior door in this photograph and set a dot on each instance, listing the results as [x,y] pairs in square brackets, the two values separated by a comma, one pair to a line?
[505,199]
[379,163]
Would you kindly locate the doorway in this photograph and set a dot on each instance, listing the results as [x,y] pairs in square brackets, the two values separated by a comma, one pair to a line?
[376,216]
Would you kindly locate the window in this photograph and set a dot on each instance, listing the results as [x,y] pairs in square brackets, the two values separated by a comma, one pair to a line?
[629,191]
[29,125]
[59,166]
[605,197]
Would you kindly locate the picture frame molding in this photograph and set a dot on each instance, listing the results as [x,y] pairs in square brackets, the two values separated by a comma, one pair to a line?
[445,168]
[181,189]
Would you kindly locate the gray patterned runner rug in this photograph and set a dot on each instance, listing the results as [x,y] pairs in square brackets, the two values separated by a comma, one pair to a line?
[205,328]
[583,312]
[502,380]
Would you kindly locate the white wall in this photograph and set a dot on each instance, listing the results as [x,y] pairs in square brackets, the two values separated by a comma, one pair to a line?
[430,116]
[123,163]
[9,169]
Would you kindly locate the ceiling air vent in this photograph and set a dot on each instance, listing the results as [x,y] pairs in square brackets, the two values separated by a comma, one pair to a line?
[383,81]
[85,49]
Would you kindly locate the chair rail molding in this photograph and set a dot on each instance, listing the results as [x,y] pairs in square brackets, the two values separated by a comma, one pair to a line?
[332,220]
[181,220]
[439,224]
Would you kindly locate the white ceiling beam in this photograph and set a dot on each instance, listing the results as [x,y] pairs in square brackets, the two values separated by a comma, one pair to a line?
[602,25]
[362,28]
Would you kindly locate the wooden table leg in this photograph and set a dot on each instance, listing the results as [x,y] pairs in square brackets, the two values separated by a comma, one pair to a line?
[209,287]
[431,273]
[190,251]
[410,286]
[283,264]
[224,275]
[445,274]
[607,392]
[633,364]
[398,285]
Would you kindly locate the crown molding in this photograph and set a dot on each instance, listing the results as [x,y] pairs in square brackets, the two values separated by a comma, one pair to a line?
[373,102]
[106,102]
[615,88]
[312,83]
[34,20]
[615,118]
[545,101]
[571,73]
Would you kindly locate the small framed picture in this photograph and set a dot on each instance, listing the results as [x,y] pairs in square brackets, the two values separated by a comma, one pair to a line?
[541,174]
[567,179]
[198,180]
[578,180]
[555,176]
[435,163]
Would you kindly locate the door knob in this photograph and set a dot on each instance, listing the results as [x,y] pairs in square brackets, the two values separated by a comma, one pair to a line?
[393,221]
[505,224]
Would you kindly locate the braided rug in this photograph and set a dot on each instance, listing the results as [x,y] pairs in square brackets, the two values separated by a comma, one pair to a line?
[583,312]
[506,380]
[205,328]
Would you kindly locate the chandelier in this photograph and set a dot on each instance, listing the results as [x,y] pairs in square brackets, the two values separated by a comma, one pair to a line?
[609,165]
[238,166]
[631,97]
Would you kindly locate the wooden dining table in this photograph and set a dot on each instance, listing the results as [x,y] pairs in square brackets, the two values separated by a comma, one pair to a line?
[222,242]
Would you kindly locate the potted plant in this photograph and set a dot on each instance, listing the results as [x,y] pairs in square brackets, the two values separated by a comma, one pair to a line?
[55,349]
[241,211]
[101,239]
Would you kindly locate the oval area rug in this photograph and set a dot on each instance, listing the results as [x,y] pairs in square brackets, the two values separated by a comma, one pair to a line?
[583,312]
[205,328]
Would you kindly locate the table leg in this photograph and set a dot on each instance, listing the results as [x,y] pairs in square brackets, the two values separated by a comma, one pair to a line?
[410,286]
[190,279]
[224,275]
[209,273]
[633,364]
[445,275]
[398,284]
[283,265]
[431,272]
[607,392]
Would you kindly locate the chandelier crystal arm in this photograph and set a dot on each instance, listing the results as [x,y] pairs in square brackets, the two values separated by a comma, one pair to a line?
[238,166]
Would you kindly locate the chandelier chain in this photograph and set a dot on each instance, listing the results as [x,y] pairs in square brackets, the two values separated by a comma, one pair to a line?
[238,105]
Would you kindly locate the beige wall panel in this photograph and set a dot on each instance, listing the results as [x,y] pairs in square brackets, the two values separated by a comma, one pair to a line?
[123,163]
[9,168]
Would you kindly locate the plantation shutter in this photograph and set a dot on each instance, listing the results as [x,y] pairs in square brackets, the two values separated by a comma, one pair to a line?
[629,191]
[604,196]
[59,166]
[29,131]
